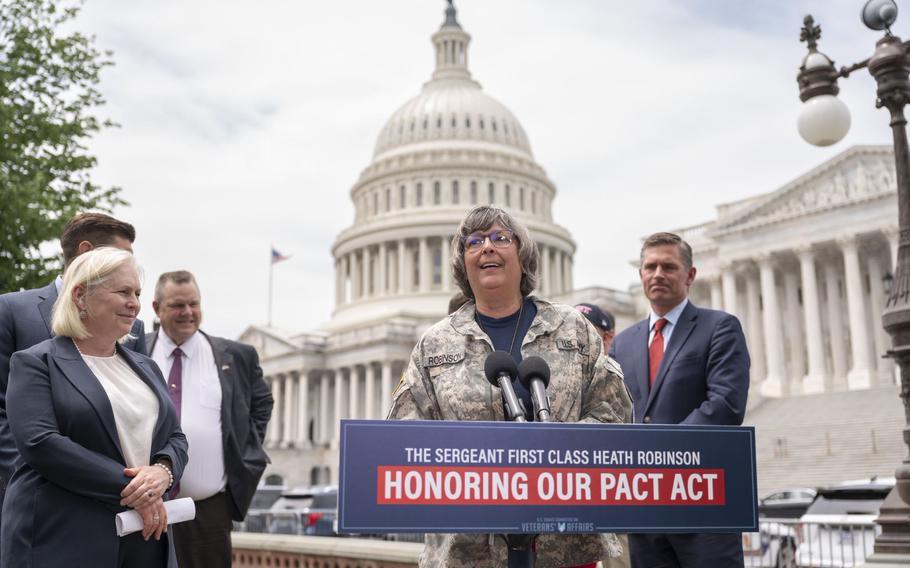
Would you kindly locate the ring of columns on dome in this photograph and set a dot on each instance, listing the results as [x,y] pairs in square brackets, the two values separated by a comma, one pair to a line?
[421,265]
[812,314]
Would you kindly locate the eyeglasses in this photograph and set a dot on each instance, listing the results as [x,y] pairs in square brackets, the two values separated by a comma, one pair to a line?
[500,238]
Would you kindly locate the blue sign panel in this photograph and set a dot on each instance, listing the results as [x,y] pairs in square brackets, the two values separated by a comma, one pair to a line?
[504,477]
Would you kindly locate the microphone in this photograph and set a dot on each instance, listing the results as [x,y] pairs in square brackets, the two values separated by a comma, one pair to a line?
[534,374]
[500,369]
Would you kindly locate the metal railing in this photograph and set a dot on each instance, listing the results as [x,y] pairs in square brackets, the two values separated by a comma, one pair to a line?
[789,543]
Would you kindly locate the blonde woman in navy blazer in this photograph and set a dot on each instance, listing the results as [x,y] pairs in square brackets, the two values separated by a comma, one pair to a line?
[93,443]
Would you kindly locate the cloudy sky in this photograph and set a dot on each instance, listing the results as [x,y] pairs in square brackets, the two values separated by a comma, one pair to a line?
[246,124]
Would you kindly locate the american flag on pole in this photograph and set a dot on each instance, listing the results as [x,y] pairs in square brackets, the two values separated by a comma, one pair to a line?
[277,256]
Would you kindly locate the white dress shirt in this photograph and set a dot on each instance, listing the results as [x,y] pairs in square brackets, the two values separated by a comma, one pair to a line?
[200,413]
[672,317]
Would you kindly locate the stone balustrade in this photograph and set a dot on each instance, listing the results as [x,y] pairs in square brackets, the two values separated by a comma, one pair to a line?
[289,551]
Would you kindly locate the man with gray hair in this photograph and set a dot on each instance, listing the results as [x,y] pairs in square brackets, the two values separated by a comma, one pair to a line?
[224,405]
[683,365]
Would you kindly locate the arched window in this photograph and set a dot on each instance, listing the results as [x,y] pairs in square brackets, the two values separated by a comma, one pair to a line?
[418,195]
[455,197]
[402,197]
[508,196]
[437,193]
[521,198]
[387,206]
[473,193]
[492,193]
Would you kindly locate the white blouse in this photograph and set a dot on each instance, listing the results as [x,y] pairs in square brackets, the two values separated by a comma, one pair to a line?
[135,406]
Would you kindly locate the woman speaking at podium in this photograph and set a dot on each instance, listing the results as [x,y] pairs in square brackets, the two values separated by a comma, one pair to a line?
[495,263]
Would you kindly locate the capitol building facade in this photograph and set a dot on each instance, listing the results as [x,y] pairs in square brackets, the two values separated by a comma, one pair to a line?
[444,151]
[804,267]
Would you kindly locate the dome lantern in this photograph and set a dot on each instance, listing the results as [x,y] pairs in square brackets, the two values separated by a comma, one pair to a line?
[451,43]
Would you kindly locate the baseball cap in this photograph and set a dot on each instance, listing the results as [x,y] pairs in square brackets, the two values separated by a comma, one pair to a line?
[600,318]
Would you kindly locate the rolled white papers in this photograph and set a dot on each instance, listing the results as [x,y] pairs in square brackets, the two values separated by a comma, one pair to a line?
[178,510]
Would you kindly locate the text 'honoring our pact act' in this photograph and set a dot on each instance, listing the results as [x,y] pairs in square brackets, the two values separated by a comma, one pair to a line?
[475,476]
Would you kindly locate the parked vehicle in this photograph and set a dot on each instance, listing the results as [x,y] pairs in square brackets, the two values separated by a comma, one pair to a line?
[307,511]
[838,529]
[786,504]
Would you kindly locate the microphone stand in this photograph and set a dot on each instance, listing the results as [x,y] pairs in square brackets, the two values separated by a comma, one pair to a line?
[519,546]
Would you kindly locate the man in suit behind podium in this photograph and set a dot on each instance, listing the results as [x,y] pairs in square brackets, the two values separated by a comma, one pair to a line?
[683,365]
[224,405]
[25,317]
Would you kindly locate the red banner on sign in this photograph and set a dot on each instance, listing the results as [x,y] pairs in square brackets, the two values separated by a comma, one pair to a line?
[459,485]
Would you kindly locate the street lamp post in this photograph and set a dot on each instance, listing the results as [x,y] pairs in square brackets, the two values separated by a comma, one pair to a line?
[824,121]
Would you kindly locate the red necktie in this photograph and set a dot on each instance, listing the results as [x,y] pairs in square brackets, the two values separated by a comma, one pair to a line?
[656,352]
[175,379]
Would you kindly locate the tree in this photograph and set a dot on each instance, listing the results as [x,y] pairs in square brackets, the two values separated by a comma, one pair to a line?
[48,91]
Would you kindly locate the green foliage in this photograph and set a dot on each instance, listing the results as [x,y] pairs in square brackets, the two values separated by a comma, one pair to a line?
[48,90]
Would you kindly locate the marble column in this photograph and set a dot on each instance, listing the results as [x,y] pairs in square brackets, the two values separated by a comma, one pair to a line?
[287,432]
[884,365]
[571,276]
[325,426]
[423,264]
[383,285]
[338,280]
[814,381]
[366,272]
[278,395]
[860,376]
[369,398]
[893,234]
[755,331]
[273,434]
[557,272]
[728,289]
[794,332]
[354,393]
[544,271]
[774,384]
[385,388]
[356,280]
[446,262]
[402,267]
[836,327]
[339,406]
[303,410]
[717,298]
[347,287]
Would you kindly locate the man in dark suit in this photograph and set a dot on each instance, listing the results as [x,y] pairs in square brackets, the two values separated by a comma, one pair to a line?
[25,317]
[683,365]
[224,405]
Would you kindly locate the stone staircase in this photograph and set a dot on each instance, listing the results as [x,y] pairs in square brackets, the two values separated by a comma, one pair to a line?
[824,439]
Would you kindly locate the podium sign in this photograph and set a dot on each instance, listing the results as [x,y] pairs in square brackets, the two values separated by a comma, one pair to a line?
[503,477]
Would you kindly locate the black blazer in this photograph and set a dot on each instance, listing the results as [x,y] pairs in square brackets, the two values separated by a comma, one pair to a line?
[246,406]
[704,374]
[25,320]
[61,501]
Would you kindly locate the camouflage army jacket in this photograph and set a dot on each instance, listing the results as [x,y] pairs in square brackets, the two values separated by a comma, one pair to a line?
[445,381]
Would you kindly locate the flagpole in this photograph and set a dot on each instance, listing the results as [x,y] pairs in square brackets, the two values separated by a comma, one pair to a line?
[271,270]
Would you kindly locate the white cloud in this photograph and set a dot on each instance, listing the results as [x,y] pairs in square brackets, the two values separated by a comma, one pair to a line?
[245,125]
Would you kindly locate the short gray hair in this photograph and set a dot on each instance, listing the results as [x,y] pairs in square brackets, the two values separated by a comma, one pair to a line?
[177,277]
[661,239]
[91,270]
[480,219]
